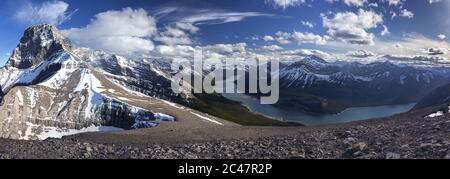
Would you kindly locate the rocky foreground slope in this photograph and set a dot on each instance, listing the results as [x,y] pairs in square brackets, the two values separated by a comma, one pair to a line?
[410,135]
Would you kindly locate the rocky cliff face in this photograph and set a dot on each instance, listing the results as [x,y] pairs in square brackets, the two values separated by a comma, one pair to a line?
[38,44]
[49,88]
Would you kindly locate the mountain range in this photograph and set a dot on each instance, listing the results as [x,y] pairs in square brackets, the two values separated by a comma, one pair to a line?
[317,86]
[50,88]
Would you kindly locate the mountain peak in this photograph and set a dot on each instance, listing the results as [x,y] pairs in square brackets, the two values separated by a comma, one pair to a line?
[37,44]
[315,58]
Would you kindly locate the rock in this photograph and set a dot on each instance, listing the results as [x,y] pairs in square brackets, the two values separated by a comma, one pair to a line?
[89,149]
[349,140]
[361,145]
[391,155]
[198,149]
[447,156]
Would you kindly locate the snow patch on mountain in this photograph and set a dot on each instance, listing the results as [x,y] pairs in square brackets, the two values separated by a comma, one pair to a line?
[207,118]
[68,66]
[54,132]
[172,104]
[19,97]
[436,114]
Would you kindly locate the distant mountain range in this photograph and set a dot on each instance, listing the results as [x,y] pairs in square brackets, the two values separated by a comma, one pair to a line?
[317,86]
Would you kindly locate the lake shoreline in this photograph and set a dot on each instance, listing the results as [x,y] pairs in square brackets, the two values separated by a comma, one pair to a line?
[291,116]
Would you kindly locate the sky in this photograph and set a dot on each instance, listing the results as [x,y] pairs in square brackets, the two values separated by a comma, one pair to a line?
[357,30]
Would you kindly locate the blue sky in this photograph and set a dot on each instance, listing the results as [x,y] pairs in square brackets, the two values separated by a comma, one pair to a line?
[340,29]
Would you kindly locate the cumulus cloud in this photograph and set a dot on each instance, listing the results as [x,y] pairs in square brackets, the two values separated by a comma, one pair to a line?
[352,27]
[394,2]
[306,52]
[177,34]
[442,37]
[357,3]
[300,38]
[226,48]
[406,13]
[307,24]
[174,51]
[50,12]
[268,38]
[272,48]
[123,31]
[360,54]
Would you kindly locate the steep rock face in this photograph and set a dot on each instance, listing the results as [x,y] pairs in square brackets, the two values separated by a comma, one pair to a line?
[50,89]
[37,44]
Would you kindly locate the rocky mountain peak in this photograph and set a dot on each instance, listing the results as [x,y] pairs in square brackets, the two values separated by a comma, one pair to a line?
[37,44]
[315,58]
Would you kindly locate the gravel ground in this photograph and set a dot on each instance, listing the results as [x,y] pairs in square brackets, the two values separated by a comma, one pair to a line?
[393,138]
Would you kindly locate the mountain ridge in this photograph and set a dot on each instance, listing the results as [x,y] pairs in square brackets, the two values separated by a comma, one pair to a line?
[50,88]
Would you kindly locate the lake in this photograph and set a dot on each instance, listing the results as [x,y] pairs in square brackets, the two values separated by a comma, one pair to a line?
[350,114]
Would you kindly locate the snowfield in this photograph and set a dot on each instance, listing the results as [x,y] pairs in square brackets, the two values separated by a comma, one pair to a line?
[54,132]
[437,114]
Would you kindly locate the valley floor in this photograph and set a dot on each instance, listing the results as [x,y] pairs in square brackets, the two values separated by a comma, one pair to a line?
[408,135]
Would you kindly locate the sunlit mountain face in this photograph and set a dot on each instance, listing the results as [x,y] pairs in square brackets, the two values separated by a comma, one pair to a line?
[400,31]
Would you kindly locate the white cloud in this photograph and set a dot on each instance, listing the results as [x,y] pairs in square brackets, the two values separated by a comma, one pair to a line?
[352,28]
[373,5]
[218,17]
[226,48]
[308,24]
[286,3]
[385,31]
[357,3]
[51,12]
[410,45]
[300,38]
[442,37]
[283,37]
[305,52]
[268,38]
[406,13]
[307,37]
[177,35]
[434,1]
[436,51]
[174,51]
[360,54]
[186,22]
[272,48]
[394,2]
[123,32]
